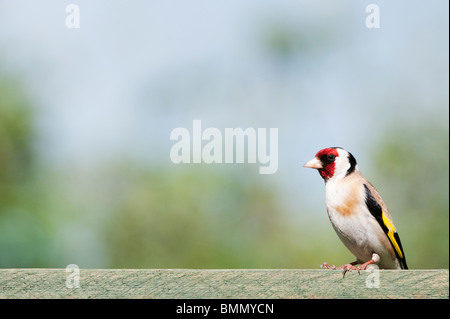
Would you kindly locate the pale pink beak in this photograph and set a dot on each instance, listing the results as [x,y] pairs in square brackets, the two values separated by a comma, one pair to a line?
[314,163]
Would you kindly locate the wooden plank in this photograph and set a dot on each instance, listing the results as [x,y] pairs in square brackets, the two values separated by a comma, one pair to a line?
[228,284]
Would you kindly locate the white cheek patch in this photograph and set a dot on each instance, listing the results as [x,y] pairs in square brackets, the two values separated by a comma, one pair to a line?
[345,164]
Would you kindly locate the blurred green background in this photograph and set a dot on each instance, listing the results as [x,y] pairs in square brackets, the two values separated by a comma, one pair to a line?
[86,114]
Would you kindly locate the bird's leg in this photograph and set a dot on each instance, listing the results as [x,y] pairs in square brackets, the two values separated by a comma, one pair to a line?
[375,259]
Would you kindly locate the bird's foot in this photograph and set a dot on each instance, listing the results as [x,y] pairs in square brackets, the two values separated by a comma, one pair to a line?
[326,266]
[348,267]
[351,266]
[345,268]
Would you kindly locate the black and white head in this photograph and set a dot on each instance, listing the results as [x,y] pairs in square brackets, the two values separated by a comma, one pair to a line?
[333,163]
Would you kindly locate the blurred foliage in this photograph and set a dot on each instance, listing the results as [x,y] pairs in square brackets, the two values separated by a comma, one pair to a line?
[25,234]
[193,218]
[15,139]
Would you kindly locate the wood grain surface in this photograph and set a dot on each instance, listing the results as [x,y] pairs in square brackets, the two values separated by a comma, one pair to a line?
[226,283]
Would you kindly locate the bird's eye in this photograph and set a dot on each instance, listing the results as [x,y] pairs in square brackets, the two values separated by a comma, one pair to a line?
[331,157]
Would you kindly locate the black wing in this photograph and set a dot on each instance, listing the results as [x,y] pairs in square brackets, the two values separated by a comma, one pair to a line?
[388,228]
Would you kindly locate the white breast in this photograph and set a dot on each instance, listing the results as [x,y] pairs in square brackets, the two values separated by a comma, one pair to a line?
[353,222]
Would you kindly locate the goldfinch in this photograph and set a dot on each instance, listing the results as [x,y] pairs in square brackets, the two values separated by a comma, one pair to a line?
[357,213]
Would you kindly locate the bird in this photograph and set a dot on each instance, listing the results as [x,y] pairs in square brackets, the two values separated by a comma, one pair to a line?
[357,213]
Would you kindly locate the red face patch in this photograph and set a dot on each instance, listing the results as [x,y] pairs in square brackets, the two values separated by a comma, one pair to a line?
[327,151]
[327,171]
[328,163]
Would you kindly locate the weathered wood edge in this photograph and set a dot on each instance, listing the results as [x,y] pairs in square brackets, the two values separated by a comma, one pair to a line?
[40,283]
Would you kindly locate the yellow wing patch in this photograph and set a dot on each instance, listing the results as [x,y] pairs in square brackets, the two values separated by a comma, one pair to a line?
[390,234]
